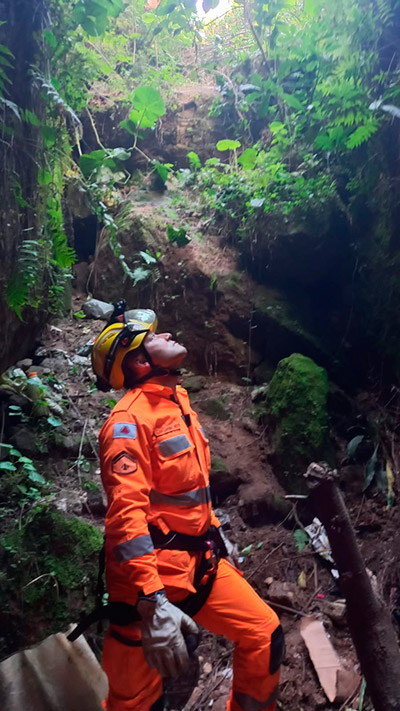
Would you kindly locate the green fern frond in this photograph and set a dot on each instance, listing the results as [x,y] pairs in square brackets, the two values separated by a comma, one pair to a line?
[47,88]
[64,256]
[26,275]
[385,10]
[362,134]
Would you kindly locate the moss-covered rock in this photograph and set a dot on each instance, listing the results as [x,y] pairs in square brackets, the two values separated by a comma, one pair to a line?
[194,383]
[297,401]
[216,408]
[50,566]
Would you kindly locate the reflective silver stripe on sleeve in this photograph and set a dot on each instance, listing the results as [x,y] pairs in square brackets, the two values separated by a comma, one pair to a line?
[189,498]
[249,703]
[134,548]
[173,445]
[203,432]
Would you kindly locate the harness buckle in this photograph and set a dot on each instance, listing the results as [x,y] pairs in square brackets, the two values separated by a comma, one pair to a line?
[211,557]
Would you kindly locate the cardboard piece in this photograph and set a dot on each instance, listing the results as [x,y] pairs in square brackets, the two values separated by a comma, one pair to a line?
[338,683]
[57,675]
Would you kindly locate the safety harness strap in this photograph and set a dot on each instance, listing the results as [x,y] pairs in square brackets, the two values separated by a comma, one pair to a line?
[121,613]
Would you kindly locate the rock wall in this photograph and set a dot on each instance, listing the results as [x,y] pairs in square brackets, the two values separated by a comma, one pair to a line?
[19,153]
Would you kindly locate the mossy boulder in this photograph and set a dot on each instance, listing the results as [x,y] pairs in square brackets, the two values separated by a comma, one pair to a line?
[297,402]
[50,566]
[216,408]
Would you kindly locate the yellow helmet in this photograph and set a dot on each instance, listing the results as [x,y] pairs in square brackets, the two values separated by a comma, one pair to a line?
[113,344]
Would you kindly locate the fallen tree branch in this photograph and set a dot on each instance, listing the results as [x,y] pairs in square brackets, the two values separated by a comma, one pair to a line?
[368,618]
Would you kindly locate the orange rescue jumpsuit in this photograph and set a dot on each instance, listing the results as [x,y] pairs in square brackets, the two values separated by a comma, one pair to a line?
[155,463]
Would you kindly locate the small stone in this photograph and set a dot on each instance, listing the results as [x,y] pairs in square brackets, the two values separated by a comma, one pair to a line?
[283,593]
[69,502]
[54,365]
[258,505]
[336,611]
[268,581]
[259,394]
[207,668]
[98,309]
[24,364]
[249,425]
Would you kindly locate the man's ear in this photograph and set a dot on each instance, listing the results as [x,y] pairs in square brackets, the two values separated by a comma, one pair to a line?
[138,359]
[134,362]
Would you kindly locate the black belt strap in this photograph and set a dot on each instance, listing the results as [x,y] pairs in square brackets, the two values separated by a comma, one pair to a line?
[125,640]
[181,541]
[118,613]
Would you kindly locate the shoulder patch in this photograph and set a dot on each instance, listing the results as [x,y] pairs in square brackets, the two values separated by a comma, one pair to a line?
[124,430]
[124,464]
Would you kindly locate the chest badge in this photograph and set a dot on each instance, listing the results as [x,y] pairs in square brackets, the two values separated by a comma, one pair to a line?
[124,464]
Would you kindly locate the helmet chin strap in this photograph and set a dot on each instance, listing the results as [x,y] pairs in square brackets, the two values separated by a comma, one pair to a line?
[156,370]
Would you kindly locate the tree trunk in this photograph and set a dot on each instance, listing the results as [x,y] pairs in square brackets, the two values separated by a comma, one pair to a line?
[368,617]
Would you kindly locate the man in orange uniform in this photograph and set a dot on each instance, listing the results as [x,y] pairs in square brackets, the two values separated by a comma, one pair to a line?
[166,555]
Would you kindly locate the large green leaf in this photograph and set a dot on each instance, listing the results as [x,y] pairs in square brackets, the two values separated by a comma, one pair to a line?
[227,145]
[177,236]
[248,158]
[194,160]
[129,126]
[91,162]
[93,15]
[163,169]
[353,445]
[119,154]
[7,466]
[148,106]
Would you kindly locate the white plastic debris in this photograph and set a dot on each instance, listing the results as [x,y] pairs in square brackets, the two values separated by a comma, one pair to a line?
[320,543]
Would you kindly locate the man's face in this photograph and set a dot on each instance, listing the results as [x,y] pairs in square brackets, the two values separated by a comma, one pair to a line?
[163,350]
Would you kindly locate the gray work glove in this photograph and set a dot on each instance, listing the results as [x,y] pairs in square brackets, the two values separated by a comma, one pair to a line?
[163,630]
